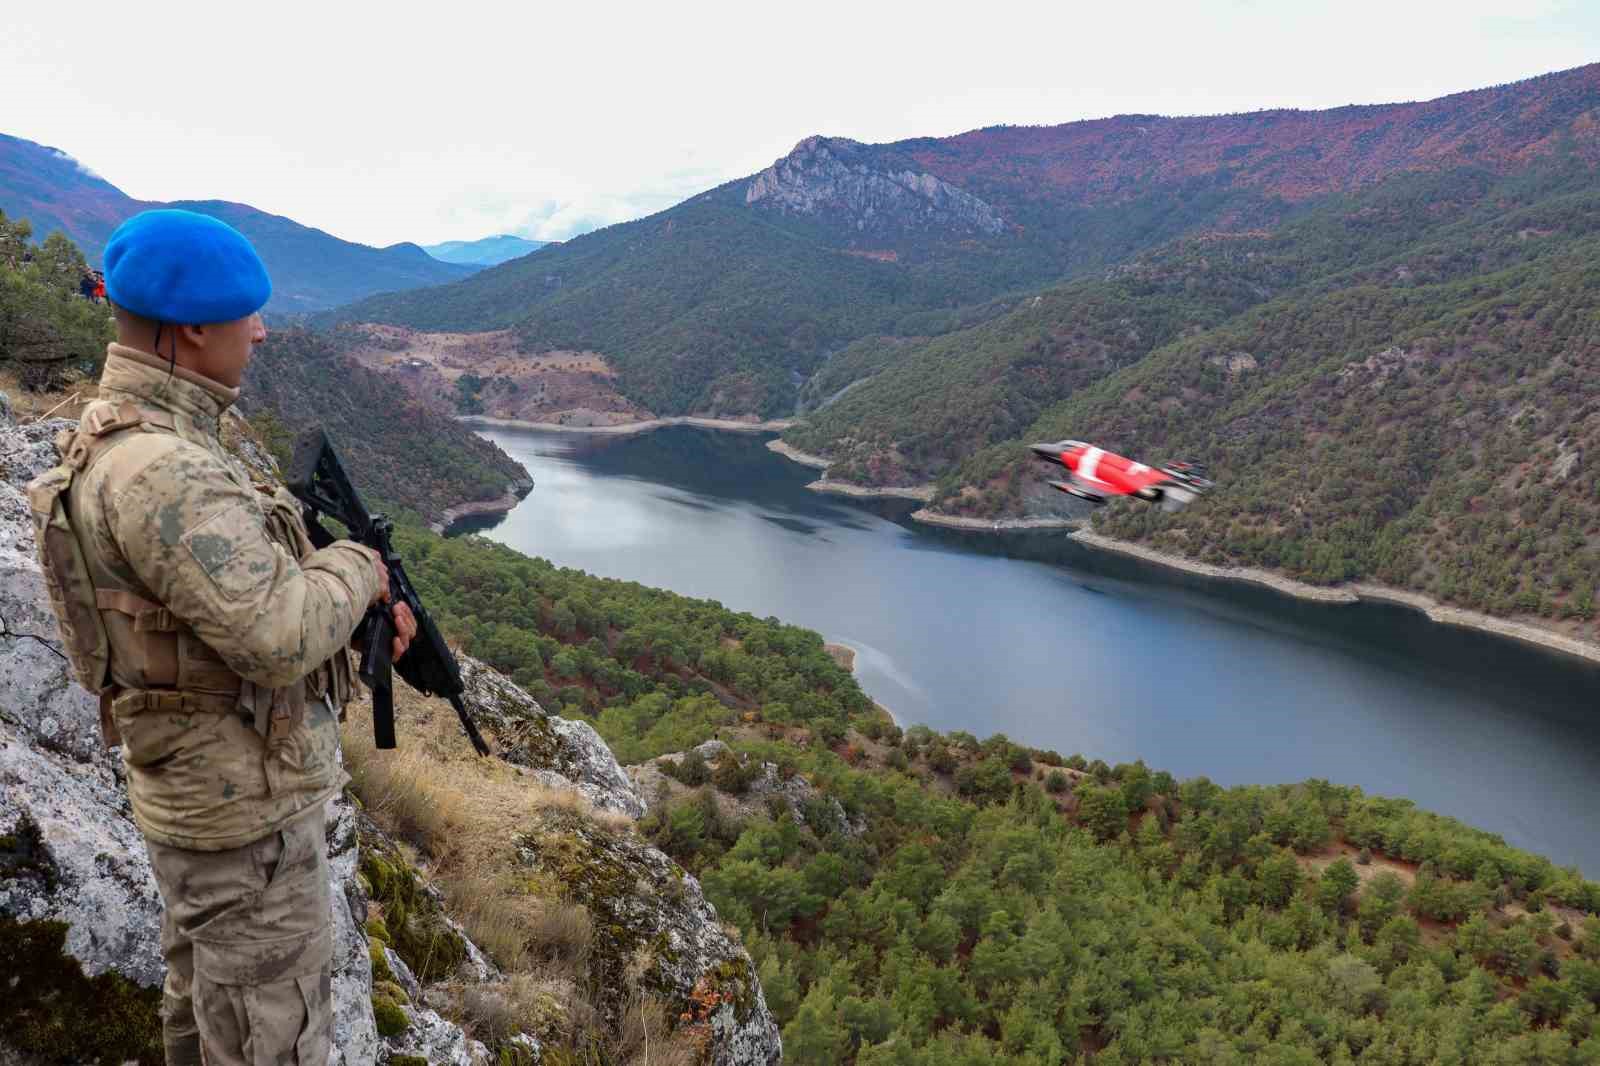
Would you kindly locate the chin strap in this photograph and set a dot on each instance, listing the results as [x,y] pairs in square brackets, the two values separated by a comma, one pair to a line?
[172,360]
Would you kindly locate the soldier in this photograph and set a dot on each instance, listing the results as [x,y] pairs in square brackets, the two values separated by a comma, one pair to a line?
[222,646]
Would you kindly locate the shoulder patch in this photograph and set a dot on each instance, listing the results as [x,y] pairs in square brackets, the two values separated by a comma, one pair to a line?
[233,549]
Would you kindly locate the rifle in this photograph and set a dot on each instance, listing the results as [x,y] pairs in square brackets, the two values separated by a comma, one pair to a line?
[318,481]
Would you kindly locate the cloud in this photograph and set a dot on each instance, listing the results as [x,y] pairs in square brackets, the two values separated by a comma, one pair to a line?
[65,158]
[562,218]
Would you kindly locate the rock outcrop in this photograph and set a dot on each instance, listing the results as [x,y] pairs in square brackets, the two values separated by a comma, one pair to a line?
[767,786]
[845,180]
[558,752]
[80,913]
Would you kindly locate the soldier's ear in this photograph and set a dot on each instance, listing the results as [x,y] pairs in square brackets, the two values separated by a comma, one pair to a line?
[194,336]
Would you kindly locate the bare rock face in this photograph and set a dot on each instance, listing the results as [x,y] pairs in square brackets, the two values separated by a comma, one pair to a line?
[560,753]
[37,692]
[653,925]
[840,178]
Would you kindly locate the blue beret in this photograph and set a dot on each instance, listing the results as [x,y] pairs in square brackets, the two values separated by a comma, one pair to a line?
[185,268]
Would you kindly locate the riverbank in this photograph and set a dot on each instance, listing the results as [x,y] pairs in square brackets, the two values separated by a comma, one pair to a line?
[499,505]
[1254,575]
[922,493]
[1356,592]
[623,429]
[992,525]
[790,452]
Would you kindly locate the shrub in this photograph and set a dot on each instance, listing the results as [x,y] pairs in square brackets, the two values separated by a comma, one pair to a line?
[1057,782]
[692,769]
[734,777]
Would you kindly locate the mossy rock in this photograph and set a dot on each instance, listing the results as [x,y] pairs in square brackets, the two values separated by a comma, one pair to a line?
[414,923]
[390,990]
[390,1016]
[377,930]
[380,961]
[610,878]
[407,1060]
[47,1000]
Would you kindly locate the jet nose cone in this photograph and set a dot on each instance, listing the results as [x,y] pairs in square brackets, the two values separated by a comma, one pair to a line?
[1050,453]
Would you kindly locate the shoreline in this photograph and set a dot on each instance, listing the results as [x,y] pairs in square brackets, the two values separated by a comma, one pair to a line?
[1251,574]
[514,494]
[1358,592]
[922,493]
[790,452]
[625,429]
[991,525]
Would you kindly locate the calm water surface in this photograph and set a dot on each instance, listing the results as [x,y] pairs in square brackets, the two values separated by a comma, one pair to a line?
[1063,647]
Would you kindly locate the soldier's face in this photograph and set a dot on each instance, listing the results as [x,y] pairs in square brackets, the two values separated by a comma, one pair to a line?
[227,348]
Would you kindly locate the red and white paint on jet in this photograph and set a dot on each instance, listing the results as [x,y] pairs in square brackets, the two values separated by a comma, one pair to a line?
[1094,474]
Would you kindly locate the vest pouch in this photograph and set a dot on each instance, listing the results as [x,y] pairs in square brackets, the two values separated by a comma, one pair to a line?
[201,669]
[298,735]
[66,574]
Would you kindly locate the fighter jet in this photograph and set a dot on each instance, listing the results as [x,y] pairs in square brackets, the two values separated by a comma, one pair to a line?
[1095,474]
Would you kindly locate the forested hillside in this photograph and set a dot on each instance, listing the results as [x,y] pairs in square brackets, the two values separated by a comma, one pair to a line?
[728,302]
[397,452]
[913,898]
[1423,418]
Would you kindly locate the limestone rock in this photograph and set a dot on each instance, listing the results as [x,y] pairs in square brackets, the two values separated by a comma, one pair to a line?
[440,1042]
[355,1033]
[653,924]
[871,192]
[560,753]
[76,857]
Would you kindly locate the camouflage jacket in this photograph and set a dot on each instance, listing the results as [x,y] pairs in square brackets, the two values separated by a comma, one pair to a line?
[225,627]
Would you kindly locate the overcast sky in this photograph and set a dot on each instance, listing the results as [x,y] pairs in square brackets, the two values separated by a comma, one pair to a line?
[390,122]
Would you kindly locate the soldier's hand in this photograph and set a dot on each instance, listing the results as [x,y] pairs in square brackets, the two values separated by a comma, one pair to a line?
[405,627]
[383,579]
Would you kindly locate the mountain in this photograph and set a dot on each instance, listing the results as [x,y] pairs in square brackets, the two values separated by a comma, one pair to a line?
[311,270]
[487,251]
[406,455]
[738,295]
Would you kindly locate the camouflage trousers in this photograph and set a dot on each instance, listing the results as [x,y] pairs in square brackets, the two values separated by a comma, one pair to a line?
[248,938]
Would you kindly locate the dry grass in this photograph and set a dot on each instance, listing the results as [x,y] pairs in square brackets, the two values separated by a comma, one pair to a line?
[60,403]
[464,814]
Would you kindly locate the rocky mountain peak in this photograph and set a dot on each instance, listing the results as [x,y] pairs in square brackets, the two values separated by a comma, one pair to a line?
[841,180]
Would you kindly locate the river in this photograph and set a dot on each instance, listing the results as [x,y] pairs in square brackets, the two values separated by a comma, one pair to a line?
[1061,646]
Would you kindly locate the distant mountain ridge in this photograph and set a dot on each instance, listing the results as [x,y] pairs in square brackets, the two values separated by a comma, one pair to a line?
[737,295]
[486,251]
[311,270]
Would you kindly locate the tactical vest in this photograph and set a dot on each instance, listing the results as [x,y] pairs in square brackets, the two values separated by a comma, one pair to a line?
[256,742]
